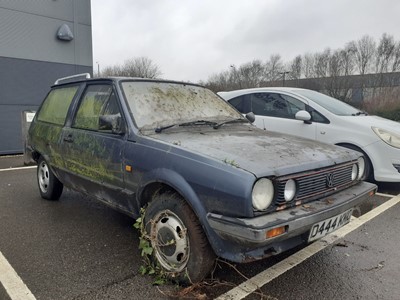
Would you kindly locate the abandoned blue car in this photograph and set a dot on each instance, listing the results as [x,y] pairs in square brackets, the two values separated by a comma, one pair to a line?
[211,184]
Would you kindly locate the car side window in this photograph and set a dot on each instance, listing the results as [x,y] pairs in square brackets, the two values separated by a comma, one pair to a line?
[111,112]
[275,105]
[55,107]
[98,100]
[294,105]
[317,117]
[238,103]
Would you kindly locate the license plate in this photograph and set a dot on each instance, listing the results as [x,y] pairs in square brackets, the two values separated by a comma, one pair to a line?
[322,228]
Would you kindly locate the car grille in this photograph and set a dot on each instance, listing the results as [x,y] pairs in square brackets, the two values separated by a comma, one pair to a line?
[315,184]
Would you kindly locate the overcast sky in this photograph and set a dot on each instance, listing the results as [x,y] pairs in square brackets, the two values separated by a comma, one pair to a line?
[192,39]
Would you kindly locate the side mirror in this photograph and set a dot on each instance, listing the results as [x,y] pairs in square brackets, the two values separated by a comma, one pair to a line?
[251,117]
[303,115]
[111,123]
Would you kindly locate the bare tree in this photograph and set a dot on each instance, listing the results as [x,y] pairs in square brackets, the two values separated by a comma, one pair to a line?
[364,50]
[222,81]
[396,58]
[384,53]
[296,67]
[142,67]
[112,71]
[348,59]
[321,65]
[247,75]
[273,68]
[235,80]
[337,84]
[308,65]
[251,74]
[327,70]
[335,64]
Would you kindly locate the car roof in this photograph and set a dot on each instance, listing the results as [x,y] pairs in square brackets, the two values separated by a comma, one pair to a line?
[232,94]
[86,78]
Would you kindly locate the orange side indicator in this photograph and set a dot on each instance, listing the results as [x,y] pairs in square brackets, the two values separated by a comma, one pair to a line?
[275,232]
[128,168]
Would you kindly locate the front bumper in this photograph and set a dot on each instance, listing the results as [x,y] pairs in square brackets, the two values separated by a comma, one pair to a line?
[384,159]
[251,232]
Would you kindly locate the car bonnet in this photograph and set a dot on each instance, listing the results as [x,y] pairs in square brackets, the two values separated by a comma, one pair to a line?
[257,151]
[375,121]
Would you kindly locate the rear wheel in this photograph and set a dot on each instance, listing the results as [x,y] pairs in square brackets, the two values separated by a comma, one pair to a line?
[179,244]
[50,187]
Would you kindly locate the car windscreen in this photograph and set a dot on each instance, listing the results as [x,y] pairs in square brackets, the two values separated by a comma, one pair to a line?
[333,105]
[155,104]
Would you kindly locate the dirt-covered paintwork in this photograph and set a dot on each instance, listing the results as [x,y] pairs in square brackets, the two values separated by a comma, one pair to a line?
[214,168]
[257,151]
[168,103]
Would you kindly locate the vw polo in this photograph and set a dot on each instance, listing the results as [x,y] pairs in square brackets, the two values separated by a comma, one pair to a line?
[211,183]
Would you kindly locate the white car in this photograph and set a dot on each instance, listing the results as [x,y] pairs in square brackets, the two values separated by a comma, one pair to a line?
[316,116]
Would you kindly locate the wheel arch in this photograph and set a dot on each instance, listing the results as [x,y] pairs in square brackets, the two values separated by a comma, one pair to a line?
[357,148]
[164,180]
[35,155]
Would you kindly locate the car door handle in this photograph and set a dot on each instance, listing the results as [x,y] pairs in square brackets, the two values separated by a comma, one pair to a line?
[69,139]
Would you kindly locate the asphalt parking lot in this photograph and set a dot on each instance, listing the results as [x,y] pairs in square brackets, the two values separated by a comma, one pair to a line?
[76,248]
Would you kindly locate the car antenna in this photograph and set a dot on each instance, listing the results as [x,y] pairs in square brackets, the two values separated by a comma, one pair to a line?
[264,124]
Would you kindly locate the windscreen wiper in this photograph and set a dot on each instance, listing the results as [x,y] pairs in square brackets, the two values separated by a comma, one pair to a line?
[192,123]
[240,120]
[159,129]
[198,122]
[360,113]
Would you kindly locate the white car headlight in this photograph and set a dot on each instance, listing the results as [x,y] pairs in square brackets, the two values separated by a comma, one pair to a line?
[388,137]
[361,167]
[263,193]
[290,190]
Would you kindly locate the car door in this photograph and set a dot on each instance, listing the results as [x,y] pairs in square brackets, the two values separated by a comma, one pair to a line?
[93,154]
[276,112]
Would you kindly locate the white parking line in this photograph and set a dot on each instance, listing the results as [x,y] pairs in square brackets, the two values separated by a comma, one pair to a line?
[12,283]
[19,168]
[256,282]
[384,195]
[9,279]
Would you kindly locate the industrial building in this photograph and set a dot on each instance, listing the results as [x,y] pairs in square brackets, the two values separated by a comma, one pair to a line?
[40,41]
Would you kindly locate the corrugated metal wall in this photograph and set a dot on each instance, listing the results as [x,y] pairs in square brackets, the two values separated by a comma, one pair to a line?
[32,58]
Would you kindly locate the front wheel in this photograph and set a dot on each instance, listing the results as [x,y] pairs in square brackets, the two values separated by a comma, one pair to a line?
[179,244]
[50,187]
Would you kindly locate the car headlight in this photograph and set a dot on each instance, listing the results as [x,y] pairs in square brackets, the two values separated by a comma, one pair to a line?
[354,172]
[388,137]
[290,190]
[361,167]
[263,193]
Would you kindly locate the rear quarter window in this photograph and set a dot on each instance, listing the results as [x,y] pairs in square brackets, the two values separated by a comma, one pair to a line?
[55,107]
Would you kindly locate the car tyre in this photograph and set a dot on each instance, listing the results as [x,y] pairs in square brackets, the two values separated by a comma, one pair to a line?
[50,187]
[179,244]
